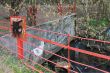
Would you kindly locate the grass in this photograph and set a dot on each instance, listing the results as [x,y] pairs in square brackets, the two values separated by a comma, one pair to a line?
[16,65]
[10,64]
[42,69]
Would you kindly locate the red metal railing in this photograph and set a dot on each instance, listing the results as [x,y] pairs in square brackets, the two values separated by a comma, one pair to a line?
[62,46]
[68,47]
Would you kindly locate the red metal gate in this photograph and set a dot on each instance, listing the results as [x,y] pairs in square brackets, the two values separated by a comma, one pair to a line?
[68,47]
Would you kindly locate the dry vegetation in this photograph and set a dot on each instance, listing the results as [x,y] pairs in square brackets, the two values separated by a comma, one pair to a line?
[93,18]
[4,68]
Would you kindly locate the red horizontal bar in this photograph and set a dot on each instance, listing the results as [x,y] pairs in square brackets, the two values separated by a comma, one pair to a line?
[77,48]
[4,22]
[26,65]
[46,40]
[32,67]
[90,39]
[4,28]
[90,53]
[38,29]
[27,59]
[78,63]
[66,58]
[24,57]
[71,48]
[37,56]
[75,62]
[42,30]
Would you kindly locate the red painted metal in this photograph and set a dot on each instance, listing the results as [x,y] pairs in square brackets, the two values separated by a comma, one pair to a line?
[32,67]
[20,49]
[4,22]
[13,52]
[20,46]
[83,64]
[68,54]
[71,48]
[19,42]
[4,28]
[70,60]
[74,49]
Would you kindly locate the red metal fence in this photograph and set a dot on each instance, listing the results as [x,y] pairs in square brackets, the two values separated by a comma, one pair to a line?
[68,47]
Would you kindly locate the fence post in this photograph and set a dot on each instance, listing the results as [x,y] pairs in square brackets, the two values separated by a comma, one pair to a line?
[18,29]
[20,48]
[69,65]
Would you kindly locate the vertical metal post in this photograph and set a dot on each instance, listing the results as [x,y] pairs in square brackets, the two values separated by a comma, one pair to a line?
[20,48]
[69,53]
[20,41]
